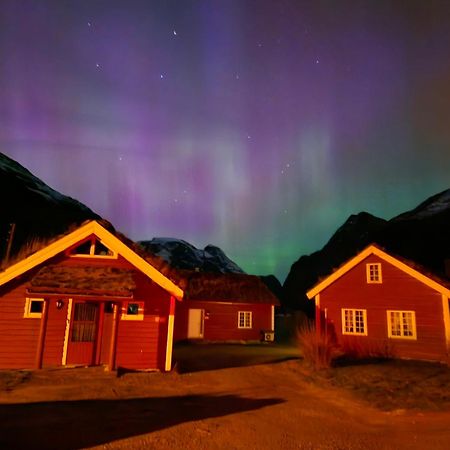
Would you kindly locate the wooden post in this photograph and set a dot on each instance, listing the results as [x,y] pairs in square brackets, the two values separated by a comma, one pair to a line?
[99,339]
[115,328]
[318,315]
[67,332]
[12,230]
[170,322]
[41,339]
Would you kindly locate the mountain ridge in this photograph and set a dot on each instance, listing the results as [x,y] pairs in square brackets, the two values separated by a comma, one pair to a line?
[37,210]
[420,234]
[40,213]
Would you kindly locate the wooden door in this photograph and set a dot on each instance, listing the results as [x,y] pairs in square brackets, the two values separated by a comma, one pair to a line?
[83,334]
[195,324]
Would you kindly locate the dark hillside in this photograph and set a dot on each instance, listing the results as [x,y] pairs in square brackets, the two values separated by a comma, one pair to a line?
[422,235]
[35,208]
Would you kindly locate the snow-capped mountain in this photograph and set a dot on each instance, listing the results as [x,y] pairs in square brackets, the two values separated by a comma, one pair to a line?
[182,255]
[435,205]
[38,211]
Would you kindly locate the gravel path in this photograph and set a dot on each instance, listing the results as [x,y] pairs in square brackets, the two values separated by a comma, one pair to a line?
[258,407]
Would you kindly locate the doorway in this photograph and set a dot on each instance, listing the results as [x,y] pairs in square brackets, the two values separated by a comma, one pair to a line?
[196,323]
[83,334]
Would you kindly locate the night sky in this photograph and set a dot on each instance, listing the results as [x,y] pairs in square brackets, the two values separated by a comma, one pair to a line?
[258,126]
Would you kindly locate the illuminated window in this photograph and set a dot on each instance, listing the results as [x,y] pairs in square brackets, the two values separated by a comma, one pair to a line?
[133,311]
[373,272]
[92,248]
[33,308]
[402,324]
[354,321]
[244,319]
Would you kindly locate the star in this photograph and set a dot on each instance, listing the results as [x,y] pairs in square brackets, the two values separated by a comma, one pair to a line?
[317,61]
[89,24]
[174,32]
[97,65]
[237,77]
[161,76]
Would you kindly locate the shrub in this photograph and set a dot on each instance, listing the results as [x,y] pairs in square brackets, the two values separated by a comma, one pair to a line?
[357,350]
[318,349]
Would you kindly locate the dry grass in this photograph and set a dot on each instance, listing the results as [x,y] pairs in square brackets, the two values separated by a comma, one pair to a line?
[357,350]
[392,385]
[32,246]
[317,349]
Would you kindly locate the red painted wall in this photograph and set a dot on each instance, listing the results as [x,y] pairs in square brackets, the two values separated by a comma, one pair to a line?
[54,337]
[398,291]
[142,344]
[221,320]
[18,336]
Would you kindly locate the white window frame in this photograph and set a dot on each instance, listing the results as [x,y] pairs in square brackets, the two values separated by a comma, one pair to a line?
[353,321]
[403,325]
[247,320]
[139,316]
[27,311]
[370,278]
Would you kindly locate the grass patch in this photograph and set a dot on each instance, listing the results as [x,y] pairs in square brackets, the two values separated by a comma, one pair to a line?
[394,384]
[191,357]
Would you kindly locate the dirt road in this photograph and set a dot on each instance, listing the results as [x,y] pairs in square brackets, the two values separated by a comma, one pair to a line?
[271,406]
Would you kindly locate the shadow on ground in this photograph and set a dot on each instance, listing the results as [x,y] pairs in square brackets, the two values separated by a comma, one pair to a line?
[85,423]
[190,357]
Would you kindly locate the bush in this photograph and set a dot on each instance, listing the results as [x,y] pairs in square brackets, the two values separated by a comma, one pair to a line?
[356,350]
[318,349]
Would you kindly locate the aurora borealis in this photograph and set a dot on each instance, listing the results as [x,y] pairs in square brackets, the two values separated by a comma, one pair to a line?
[258,126]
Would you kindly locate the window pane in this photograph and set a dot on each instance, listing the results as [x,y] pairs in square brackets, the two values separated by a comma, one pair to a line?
[133,309]
[354,321]
[407,324]
[83,249]
[402,323]
[349,321]
[359,322]
[102,250]
[245,319]
[36,306]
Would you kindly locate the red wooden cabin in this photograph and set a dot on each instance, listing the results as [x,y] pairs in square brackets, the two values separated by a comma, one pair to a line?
[225,307]
[89,297]
[377,304]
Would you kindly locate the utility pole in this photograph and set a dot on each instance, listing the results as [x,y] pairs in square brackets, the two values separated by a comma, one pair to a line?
[10,238]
